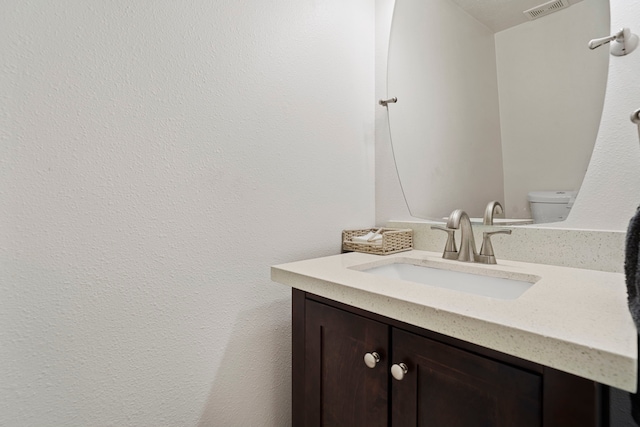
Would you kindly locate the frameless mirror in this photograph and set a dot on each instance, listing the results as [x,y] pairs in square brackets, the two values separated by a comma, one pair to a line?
[492,105]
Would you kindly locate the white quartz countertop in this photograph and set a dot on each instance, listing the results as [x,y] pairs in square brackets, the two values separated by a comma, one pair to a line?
[574,320]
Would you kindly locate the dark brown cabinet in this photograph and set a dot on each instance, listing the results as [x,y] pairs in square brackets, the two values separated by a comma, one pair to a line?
[448,383]
[448,387]
[341,390]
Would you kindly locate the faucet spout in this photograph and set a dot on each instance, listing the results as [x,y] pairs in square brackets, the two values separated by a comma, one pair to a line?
[460,220]
[493,207]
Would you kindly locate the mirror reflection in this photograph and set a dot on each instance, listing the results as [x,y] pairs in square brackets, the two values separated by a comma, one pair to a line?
[491,105]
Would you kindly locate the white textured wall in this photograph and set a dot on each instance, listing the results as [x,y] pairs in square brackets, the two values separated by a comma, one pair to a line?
[155,159]
[610,192]
[551,95]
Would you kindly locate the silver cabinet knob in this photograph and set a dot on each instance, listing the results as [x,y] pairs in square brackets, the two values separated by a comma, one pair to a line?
[371,359]
[399,370]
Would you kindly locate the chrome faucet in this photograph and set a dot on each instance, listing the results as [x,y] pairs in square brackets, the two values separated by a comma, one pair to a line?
[486,255]
[460,220]
[493,207]
[450,250]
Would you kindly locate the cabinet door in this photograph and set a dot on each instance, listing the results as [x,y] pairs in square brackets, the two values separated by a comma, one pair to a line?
[448,387]
[340,390]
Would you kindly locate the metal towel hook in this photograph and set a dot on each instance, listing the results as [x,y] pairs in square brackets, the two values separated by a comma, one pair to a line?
[384,102]
[635,116]
[624,42]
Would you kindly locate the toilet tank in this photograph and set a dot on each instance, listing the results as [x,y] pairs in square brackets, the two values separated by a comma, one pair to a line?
[550,206]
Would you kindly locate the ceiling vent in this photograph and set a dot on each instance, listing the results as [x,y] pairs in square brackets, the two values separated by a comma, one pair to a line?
[546,9]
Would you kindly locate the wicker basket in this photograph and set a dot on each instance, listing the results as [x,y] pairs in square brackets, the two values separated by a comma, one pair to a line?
[393,240]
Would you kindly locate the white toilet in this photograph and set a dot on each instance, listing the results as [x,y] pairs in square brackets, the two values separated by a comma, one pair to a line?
[550,206]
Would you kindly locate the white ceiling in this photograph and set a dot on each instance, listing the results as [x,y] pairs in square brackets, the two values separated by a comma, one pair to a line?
[500,14]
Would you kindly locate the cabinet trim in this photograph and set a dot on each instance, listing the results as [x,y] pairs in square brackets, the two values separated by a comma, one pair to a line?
[298,326]
[473,348]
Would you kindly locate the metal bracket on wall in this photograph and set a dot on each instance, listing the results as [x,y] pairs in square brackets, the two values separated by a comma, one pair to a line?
[635,118]
[624,42]
[384,102]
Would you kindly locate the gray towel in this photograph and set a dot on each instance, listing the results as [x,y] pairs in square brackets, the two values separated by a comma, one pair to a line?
[632,267]
[635,398]
[632,276]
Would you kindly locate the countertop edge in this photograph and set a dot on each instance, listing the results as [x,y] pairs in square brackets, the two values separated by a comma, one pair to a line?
[580,360]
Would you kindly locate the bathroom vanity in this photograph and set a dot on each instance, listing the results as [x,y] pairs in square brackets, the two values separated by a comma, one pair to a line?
[370,350]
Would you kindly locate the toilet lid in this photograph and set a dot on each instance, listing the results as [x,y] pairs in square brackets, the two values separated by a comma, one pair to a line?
[551,196]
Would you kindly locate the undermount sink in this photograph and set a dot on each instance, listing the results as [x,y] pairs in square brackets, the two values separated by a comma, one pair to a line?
[475,280]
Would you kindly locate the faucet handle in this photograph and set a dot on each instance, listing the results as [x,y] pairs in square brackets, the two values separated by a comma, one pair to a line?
[486,255]
[450,249]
